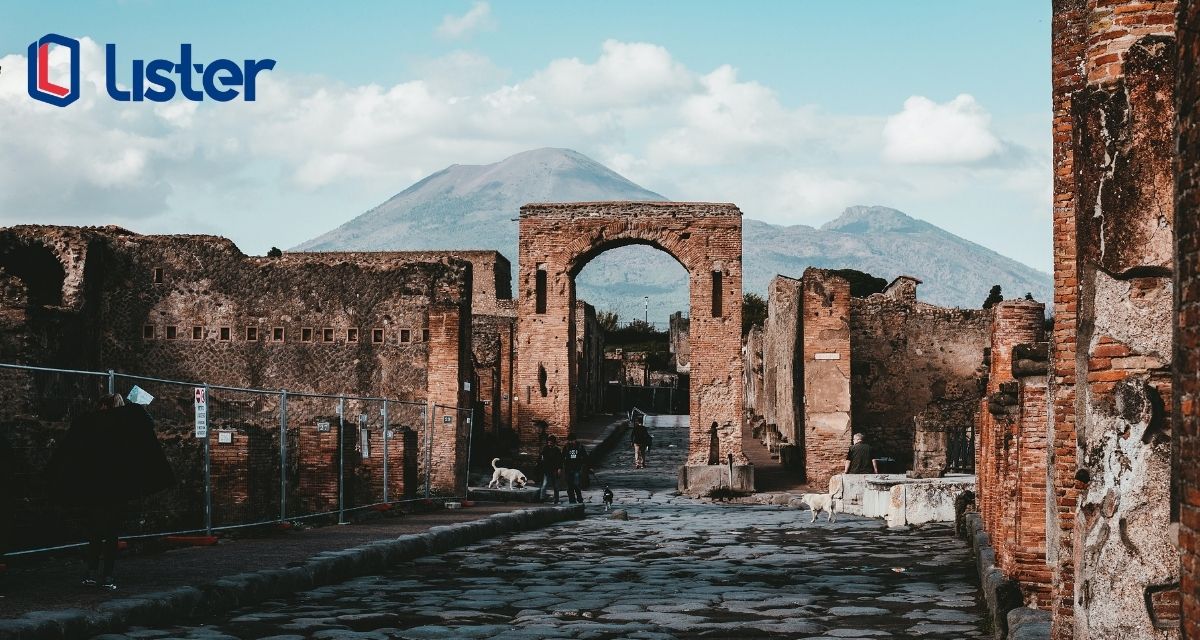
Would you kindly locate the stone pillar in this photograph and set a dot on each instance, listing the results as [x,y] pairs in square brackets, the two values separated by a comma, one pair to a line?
[781,359]
[1187,318]
[1028,553]
[449,373]
[825,357]
[1123,119]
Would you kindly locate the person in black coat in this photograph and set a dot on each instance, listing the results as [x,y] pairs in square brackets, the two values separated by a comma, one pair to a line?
[575,466]
[642,439]
[107,458]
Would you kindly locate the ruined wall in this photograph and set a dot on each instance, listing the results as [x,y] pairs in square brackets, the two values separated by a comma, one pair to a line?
[681,347]
[493,338]
[825,358]
[753,373]
[558,240]
[783,390]
[907,358]
[1113,159]
[194,308]
[1187,318]
[589,360]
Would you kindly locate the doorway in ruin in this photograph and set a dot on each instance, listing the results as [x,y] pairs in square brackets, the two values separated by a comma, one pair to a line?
[557,240]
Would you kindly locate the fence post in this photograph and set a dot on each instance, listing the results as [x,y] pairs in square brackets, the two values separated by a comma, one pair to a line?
[341,412]
[386,440]
[428,445]
[470,440]
[112,382]
[283,420]
[207,473]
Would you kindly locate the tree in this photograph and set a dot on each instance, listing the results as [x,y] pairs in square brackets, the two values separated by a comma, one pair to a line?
[754,311]
[607,320]
[994,296]
[274,253]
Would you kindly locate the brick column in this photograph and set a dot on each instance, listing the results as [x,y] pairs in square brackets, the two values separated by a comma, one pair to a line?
[449,370]
[825,357]
[1187,319]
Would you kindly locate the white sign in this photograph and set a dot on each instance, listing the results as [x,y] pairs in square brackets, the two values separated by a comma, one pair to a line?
[138,395]
[322,427]
[201,413]
[225,437]
[447,419]
[828,356]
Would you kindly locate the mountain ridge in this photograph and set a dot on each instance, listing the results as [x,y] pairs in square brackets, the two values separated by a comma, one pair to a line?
[474,207]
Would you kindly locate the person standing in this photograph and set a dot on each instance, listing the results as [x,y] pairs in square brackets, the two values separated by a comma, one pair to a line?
[575,464]
[859,458]
[107,458]
[641,443]
[550,462]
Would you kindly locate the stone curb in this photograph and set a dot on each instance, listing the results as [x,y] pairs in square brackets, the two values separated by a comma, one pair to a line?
[1011,619]
[176,605]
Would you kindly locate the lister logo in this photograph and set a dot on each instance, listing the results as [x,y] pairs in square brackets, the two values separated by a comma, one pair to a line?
[158,80]
[40,85]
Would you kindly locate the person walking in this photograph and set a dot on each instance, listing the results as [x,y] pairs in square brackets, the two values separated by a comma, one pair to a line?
[550,463]
[859,458]
[642,440]
[575,464]
[107,458]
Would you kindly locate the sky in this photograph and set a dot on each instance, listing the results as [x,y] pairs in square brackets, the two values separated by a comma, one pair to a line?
[791,110]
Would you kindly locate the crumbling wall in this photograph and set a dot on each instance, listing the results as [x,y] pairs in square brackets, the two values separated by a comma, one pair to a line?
[680,346]
[825,356]
[1114,220]
[752,372]
[1187,319]
[907,358]
[783,399]
[589,360]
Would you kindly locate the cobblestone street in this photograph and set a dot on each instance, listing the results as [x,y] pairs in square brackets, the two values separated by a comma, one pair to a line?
[676,568]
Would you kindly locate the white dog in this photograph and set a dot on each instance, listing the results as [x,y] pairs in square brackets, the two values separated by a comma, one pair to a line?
[819,502]
[515,478]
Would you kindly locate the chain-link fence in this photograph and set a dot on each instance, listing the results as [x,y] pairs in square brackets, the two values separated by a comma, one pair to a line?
[241,457]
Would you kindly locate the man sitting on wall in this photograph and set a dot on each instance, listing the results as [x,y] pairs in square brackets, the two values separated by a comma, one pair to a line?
[859,459]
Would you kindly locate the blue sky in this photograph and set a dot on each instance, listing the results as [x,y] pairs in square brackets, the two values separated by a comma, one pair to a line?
[793,110]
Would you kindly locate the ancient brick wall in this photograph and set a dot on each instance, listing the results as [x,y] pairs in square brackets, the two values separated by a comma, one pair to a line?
[589,360]
[825,358]
[558,240]
[681,347]
[1187,319]
[493,337]
[783,387]
[907,358]
[1113,157]
[752,372]
[195,308]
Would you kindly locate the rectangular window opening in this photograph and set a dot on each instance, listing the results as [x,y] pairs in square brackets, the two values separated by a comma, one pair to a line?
[377,336]
[278,334]
[424,335]
[252,334]
[351,335]
[172,332]
[716,294]
[405,335]
[197,333]
[225,333]
[148,332]
[327,335]
[306,334]
[159,275]
[540,293]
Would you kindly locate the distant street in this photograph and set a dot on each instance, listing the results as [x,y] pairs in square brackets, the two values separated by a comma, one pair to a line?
[677,568]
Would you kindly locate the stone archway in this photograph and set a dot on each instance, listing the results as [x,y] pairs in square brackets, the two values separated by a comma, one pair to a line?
[558,240]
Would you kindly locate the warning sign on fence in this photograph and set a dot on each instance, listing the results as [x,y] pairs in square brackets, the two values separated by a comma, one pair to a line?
[201,412]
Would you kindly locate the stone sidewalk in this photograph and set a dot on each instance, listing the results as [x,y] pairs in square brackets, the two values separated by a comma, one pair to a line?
[48,587]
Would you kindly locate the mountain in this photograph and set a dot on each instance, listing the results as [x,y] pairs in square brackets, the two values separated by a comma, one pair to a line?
[469,206]
[475,206]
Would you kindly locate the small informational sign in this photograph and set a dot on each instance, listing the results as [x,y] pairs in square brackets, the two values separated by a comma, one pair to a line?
[466,386]
[447,419]
[365,443]
[225,437]
[322,427]
[138,395]
[389,434]
[201,412]
[828,356]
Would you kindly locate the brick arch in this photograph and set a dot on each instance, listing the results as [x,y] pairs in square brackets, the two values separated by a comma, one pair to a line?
[558,240]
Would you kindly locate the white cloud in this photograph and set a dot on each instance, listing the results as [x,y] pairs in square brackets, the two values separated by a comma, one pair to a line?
[926,132]
[312,152]
[477,18]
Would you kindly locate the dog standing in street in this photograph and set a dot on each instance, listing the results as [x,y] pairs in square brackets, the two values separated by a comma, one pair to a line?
[516,479]
[608,498]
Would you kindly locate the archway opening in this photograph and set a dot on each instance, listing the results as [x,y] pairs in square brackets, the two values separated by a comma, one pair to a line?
[39,269]
[641,300]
